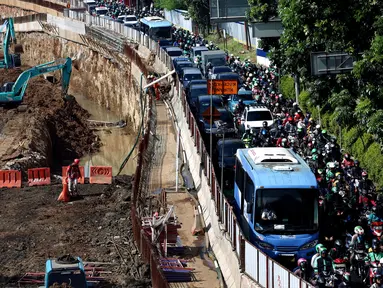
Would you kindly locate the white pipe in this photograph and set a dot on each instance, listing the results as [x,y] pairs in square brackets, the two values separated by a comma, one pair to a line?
[177,157]
[159,79]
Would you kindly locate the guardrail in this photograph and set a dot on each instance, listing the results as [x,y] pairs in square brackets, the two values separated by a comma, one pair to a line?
[253,262]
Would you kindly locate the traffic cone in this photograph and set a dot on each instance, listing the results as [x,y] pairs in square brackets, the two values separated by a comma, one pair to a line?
[64,195]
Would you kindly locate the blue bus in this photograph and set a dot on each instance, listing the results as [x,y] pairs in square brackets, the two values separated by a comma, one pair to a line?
[158,29]
[276,202]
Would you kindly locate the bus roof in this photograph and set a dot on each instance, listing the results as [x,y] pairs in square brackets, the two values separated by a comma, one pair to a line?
[154,22]
[276,168]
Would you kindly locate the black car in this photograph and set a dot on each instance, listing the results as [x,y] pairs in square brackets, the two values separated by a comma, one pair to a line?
[195,90]
[229,148]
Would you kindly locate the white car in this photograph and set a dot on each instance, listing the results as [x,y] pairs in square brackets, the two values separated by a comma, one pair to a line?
[253,117]
[130,20]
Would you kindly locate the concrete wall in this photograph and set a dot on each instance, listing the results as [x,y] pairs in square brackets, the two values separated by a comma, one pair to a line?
[177,18]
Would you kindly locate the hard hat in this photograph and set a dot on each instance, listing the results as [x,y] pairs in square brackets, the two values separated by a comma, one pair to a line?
[76,161]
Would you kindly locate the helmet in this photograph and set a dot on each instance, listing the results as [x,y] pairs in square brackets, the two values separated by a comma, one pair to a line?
[375,243]
[377,276]
[338,243]
[356,162]
[359,230]
[290,119]
[314,151]
[76,161]
[309,144]
[314,157]
[324,131]
[364,174]
[264,123]
[323,250]
[284,140]
[320,246]
[302,261]
[320,171]
[240,101]
[294,104]
[263,132]
[347,156]
[317,127]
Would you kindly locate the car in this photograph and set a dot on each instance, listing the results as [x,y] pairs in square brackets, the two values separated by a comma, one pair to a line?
[196,51]
[194,82]
[189,74]
[182,64]
[203,103]
[218,70]
[130,21]
[229,76]
[253,117]
[173,52]
[195,90]
[224,116]
[245,95]
[229,148]
[179,59]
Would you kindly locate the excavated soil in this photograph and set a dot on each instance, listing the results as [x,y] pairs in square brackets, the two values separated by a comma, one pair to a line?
[34,226]
[50,133]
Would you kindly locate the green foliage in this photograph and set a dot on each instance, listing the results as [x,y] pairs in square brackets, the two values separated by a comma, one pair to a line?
[262,10]
[199,12]
[287,87]
[304,100]
[170,4]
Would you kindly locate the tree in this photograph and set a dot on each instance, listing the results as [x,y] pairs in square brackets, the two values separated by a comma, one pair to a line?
[170,4]
[200,13]
[262,10]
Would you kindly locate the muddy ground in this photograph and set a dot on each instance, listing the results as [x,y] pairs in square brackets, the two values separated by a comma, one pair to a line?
[34,227]
[51,132]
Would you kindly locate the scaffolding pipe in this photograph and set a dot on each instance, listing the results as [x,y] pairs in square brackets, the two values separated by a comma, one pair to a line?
[159,79]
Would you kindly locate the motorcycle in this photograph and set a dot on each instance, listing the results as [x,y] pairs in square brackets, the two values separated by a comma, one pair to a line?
[360,255]
[340,267]
[376,229]
[372,270]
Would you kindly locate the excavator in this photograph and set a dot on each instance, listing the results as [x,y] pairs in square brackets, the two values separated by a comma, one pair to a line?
[12,93]
[10,60]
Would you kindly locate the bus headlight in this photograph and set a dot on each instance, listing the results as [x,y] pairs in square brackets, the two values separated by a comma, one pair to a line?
[309,245]
[265,245]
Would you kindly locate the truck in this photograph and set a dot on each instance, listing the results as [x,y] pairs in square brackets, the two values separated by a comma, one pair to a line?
[215,57]
[65,270]
[276,202]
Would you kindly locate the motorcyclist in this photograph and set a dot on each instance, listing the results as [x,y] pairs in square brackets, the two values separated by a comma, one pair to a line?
[373,216]
[324,263]
[240,107]
[375,254]
[316,256]
[302,269]
[377,281]
[357,243]
[247,138]
[338,251]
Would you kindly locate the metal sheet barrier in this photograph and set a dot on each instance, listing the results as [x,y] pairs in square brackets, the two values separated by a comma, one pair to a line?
[251,266]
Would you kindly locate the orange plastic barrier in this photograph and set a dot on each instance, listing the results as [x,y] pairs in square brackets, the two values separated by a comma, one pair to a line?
[10,178]
[81,180]
[100,175]
[39,176]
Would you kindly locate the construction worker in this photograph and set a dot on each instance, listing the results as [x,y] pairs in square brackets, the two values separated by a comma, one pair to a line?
[73,174]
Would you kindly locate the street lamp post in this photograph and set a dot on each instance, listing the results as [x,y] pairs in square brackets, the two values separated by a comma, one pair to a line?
[221,126]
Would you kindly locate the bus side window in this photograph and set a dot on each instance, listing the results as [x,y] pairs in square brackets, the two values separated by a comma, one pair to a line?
[239,176]
[249,194]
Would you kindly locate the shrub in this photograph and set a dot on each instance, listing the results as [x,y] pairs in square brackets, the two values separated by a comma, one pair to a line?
[287,87]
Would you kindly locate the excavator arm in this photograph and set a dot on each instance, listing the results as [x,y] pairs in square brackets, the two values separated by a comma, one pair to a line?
[10,60]
[14,92]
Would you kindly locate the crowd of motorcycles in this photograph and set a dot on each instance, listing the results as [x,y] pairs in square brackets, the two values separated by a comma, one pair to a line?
[116,8]
[351,211]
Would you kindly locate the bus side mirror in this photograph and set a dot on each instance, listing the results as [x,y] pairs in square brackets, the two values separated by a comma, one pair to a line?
[249,208]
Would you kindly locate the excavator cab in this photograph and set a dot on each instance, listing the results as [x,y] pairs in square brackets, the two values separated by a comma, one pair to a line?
[65,270]
[7,87]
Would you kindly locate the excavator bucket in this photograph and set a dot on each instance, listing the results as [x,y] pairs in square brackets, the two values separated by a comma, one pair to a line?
[18,48]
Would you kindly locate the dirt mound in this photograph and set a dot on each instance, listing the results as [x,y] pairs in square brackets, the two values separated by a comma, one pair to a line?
[66,122]
[34,227]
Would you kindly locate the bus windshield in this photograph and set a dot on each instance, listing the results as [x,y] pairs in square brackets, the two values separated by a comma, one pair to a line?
[286,210]
[160,32]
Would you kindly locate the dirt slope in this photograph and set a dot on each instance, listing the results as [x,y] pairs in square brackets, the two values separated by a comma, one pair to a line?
[50,132]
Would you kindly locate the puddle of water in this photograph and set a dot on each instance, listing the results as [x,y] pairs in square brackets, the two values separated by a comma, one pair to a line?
[116,142]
